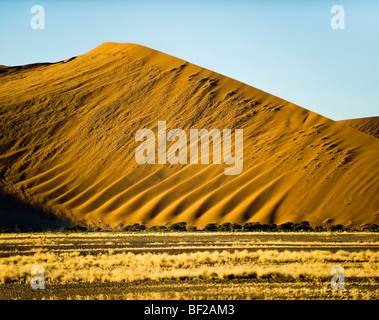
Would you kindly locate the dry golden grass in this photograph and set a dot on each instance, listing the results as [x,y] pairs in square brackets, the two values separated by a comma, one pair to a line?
[294,273]
[68,267]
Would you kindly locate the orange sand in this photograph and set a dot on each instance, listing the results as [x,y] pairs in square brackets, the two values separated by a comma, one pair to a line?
[67,144]
[368,125]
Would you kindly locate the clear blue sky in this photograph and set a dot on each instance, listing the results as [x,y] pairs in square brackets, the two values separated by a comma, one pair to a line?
[286,48]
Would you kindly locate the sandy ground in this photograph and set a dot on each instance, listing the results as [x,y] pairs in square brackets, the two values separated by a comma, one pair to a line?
[270,286]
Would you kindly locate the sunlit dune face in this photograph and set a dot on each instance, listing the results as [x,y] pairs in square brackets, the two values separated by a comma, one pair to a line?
[68,145]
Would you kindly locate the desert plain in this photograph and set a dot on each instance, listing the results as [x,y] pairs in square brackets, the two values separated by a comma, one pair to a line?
[67,157]
[193,266]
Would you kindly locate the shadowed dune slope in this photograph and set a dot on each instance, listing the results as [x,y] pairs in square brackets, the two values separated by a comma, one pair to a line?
[16,212]
[68,142]
[368,125]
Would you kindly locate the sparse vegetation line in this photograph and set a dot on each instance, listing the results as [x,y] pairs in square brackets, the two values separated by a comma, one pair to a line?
[303,226]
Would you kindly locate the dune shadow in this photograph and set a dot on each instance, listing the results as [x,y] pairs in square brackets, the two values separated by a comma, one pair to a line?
[14,211]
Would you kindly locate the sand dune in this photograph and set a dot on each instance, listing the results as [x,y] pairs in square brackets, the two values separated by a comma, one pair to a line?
[68,144]
[368,125]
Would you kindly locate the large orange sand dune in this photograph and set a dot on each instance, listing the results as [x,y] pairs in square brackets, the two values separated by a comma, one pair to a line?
[67,144]
[368,125]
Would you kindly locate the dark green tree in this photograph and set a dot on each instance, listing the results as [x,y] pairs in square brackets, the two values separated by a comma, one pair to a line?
[210,227]
[336,227]
[302,226]
[180,226]
[252,226]
[235,227]
[287,226]
[225,226]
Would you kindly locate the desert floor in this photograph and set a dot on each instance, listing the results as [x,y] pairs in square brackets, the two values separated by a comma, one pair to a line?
[199,265]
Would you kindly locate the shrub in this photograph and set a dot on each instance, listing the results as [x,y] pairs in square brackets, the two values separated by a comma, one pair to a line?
[135,227]
[235,227]
[370,227]
[180,226]
[126,228]
[75,228]
[211,227]
[80,229]
[65,229]
[336,227]
[272,227]
[302,226]
[287,226]
[319,228]
[192,228]
[256,226]
[139,227]
[225,226]
[265,227]
[19,228]
[158,228]
[5,229]
[252,226]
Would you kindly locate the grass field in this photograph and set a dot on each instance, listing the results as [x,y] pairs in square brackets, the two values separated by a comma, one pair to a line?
[199,265]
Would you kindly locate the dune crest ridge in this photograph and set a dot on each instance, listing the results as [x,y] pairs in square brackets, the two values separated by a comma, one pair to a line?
[369,125]
[68,144]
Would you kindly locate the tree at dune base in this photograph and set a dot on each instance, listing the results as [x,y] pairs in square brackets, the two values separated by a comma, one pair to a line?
[303,226]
